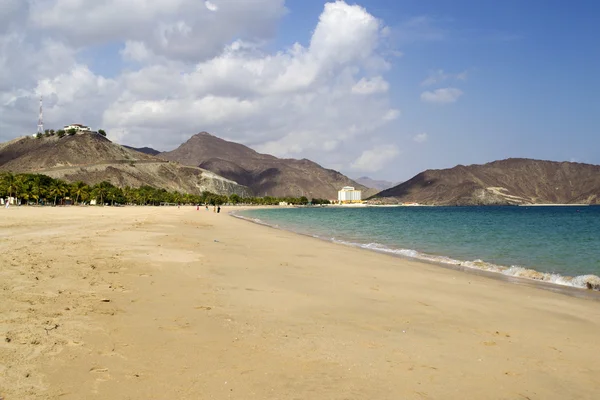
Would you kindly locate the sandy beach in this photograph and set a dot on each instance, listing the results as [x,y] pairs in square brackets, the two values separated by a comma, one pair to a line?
[166,303]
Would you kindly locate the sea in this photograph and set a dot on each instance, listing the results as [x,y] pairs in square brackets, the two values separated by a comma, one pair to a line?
[554,244]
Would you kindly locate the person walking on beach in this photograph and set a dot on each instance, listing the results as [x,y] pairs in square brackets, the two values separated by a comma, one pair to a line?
[218,209]
[197,207]
[214,209]
[206,207]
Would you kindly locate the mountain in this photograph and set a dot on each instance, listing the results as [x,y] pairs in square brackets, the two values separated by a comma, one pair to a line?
[145,150]
[375,184]
[263,173]
[92,158]
[510,181]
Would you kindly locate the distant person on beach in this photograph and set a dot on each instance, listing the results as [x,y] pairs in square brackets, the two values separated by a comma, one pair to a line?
[207,207]
[214,209]
[197,207]
[218,209]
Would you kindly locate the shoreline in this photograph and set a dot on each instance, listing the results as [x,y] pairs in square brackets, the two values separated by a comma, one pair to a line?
[592,293]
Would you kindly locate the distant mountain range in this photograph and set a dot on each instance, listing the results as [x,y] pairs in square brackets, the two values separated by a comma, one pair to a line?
[92,158]
[511,181]
[206,162]
[375,184]
[145,150]
[263,173]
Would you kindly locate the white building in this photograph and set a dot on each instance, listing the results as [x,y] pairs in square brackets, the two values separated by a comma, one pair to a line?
[77,127]
[349,195]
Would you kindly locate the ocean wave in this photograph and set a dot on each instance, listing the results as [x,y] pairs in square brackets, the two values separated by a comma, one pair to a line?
[591,282]
[581,281]
[255,220]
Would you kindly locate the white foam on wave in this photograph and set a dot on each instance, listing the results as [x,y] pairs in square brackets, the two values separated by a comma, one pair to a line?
[581,281]
[255,220]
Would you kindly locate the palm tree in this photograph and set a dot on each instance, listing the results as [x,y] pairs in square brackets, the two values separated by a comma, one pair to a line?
[25,188]
[177,198]
[131,195]
[11,184]
[79,190]
[112,194]
[101,190]
[37,186]
[58,189]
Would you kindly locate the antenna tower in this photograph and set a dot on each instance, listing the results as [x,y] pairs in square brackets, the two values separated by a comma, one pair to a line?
[41,119]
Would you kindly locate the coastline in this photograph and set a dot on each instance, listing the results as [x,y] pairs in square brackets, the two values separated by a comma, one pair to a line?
[523,276]
[161,302]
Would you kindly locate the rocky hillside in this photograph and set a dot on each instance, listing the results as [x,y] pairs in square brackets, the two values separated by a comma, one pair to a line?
[511,181]
[92,158]
[263,173]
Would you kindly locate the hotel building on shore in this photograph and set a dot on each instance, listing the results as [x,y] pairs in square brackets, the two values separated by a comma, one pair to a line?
[349,195]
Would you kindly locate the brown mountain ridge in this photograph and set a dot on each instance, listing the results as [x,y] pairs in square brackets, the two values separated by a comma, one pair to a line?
[264,174]
[512,181]
[92,158]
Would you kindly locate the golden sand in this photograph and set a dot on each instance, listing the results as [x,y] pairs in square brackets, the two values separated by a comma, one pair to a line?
[167,303]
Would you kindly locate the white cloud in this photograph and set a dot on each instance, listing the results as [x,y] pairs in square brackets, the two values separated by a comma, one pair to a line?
[211,6]
[421,137]
[442,96]
[136,51]
[374,159]
[440,75]
[391,115]
[187,30]
[370,86]
[294,102]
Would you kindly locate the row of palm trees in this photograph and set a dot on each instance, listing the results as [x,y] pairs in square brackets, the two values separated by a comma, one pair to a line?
[40,189]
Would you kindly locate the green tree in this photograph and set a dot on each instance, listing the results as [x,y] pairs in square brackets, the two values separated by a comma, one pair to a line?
[80,190]
[24,188]
[60,133]
[38,135]
[129,195]
[71,131]
[37,187]
[234,199]
[10,183]
[102,132]
[102,191]
[58,189]
[115,194]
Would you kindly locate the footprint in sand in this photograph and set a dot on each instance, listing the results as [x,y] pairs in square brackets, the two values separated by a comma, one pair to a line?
[103,376]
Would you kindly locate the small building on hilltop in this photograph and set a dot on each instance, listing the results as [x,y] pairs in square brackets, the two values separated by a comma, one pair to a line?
[77,127]
[349,195]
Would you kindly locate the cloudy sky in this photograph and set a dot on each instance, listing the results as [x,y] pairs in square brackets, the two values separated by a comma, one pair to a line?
[384,88]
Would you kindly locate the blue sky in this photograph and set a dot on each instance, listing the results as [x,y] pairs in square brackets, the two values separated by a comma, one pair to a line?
[375,87]
[533,77]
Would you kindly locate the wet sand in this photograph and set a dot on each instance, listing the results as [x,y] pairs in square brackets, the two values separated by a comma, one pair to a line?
[168,303]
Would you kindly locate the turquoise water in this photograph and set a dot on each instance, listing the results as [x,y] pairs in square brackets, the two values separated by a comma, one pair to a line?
[554,244]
